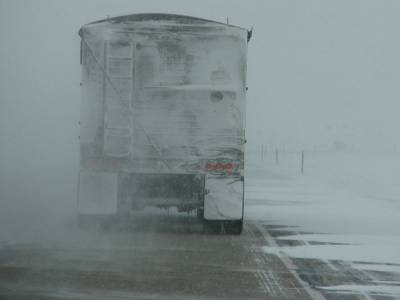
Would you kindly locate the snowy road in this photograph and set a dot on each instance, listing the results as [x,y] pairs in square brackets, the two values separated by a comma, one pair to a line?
[163,260]
[303,239]
[170,261]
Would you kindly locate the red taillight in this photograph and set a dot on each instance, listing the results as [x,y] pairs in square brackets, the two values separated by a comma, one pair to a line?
[218,166]
[228,166]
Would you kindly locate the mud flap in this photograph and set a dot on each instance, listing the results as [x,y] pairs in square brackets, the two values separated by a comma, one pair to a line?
[98,193]
[224,198]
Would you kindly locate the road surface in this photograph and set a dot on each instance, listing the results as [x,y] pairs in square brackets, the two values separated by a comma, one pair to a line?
[161,255]
[152,257]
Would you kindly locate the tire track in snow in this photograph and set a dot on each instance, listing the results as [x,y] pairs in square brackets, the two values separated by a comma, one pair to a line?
[313,294]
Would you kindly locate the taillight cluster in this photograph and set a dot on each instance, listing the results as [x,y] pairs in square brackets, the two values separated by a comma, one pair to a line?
[219,167]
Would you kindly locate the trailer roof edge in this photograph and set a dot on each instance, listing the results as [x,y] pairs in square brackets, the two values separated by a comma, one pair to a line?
[183,19]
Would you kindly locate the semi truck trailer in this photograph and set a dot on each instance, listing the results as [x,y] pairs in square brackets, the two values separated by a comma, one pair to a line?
[162,121]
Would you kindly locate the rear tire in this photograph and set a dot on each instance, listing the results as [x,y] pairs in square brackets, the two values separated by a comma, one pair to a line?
[94,222]
[88,221]
[227,227]
[234,227]
[200,213]
[213,227]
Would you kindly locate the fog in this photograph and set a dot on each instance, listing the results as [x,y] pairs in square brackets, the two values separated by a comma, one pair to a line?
[318,72]
[321,161]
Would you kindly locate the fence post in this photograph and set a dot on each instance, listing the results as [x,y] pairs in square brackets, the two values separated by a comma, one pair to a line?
[302,162]
[276,156]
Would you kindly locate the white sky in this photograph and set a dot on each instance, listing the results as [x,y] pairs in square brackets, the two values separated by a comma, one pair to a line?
[318,71]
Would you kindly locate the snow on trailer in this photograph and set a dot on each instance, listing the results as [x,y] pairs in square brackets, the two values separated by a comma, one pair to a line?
[163,117]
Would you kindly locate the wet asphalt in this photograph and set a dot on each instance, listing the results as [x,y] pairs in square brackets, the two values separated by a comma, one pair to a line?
[165,257]
[149,257]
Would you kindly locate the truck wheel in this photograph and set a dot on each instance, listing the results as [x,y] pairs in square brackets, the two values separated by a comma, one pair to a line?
[214,227]
[94,222]
[234,227]
[88,221]
[200,213]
